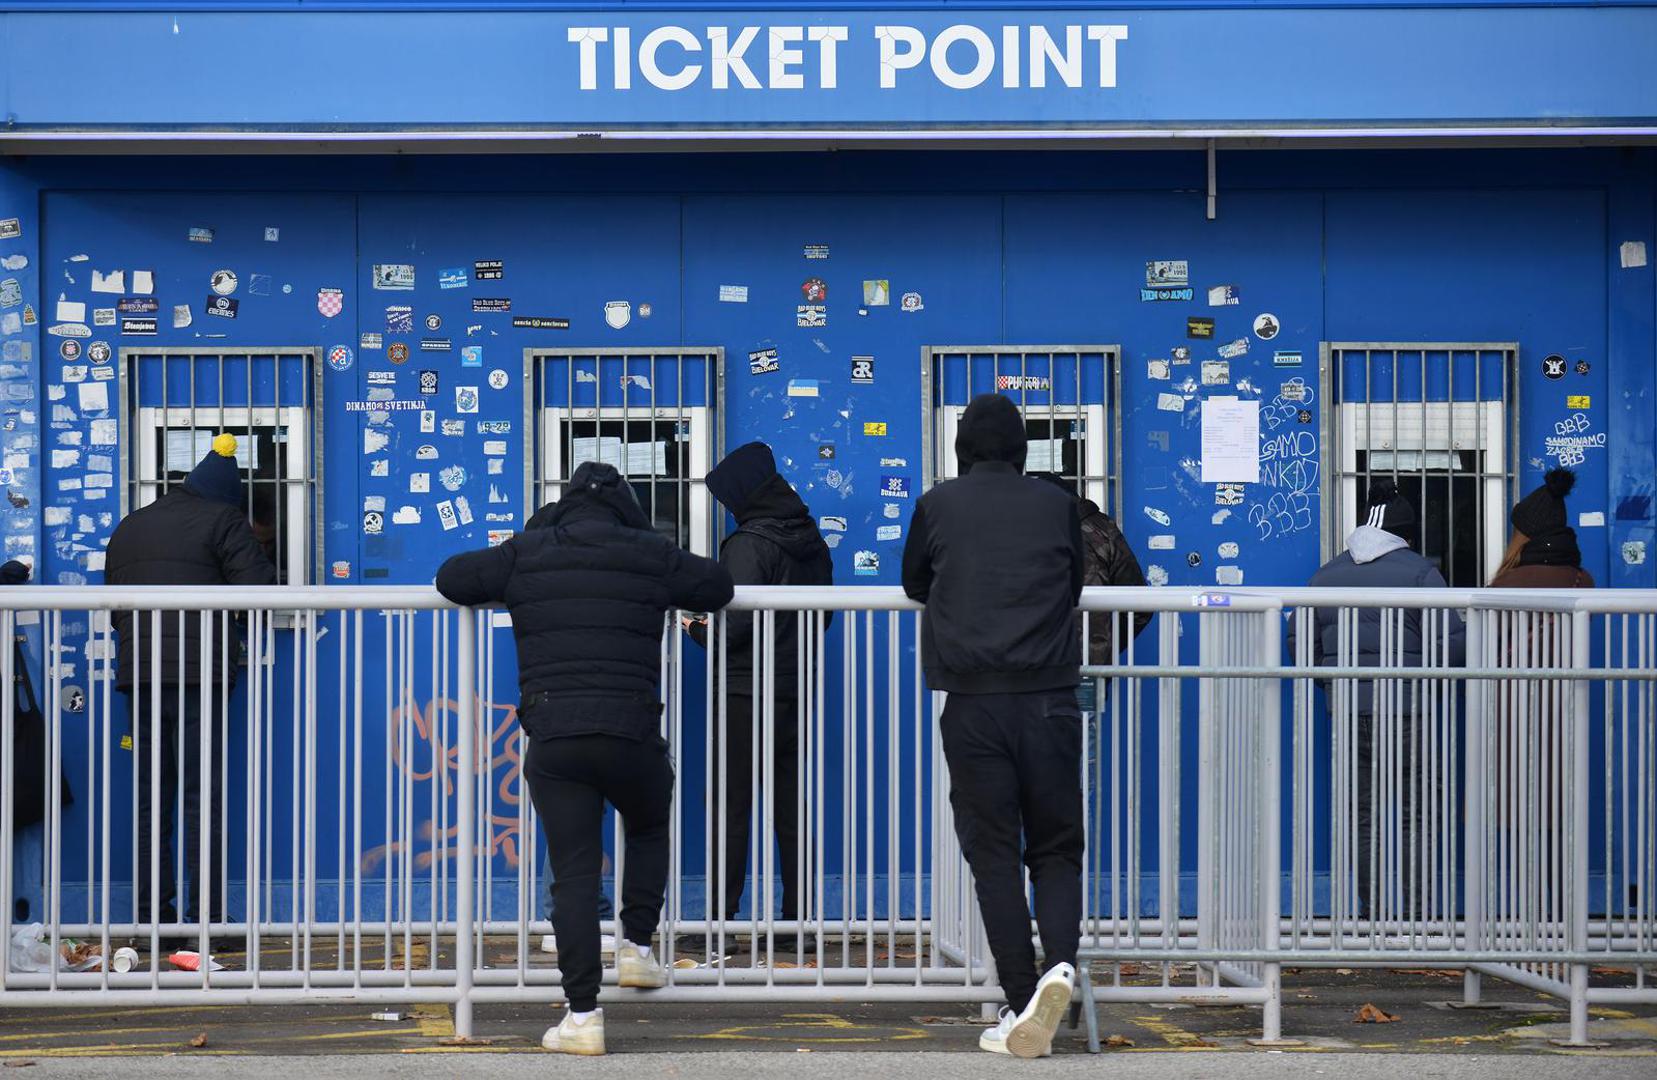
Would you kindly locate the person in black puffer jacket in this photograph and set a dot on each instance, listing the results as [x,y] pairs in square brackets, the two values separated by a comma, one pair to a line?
[588,583]
[195,534]
[997,558]
[776,542]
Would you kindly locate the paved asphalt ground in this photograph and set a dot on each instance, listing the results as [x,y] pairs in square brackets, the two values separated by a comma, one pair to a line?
[1429,1039]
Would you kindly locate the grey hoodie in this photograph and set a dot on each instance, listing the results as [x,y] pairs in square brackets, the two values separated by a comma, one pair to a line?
[1375,558]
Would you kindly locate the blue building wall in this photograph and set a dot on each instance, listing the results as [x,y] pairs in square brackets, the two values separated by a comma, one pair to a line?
[1016,248]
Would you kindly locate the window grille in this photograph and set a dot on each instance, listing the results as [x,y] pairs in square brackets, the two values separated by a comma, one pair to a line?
[652,413]
[173,401]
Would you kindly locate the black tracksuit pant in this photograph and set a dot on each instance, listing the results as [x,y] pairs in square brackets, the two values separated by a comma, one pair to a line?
[177,726]
[742,729]
[1015,787]
[570,779]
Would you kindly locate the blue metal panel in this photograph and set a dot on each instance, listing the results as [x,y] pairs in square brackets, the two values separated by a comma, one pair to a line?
[1474,66]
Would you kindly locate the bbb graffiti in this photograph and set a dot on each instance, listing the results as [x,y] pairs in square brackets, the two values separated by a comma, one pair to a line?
[424,760]
[1571,440]
[1282,514]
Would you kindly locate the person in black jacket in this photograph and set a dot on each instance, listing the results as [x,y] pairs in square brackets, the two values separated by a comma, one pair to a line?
[997,559]
[776,542]
[195,534]
[588,583]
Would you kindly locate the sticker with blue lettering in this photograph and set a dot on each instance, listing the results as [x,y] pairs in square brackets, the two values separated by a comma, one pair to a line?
[894,487]
[452,278]
[471,356]
[339,357]
[866,564]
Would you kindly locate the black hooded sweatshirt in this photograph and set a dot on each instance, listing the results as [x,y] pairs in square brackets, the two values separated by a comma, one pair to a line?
[776,542]
[588,583]
[997,558]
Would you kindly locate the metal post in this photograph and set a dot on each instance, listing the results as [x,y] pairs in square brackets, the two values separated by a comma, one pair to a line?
[465,822]
[1476,790]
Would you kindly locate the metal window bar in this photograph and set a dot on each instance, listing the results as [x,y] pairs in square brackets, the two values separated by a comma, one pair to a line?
[1069,394]
[653,413]
[1413,419]
[172,403]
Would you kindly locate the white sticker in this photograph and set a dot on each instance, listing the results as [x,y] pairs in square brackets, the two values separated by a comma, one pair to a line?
[373,502]
[374,441]
[1228,575]
[1161,542]
[829,523]
[94,397]
[494,447]
[1228,550]
[892,510]
[113,282]
[379,467]
[428,420]
[406,515]
[181,316]
[1156,575]
[888,532]
[1216,373]
[71,311]
[446,515]
[1589,519]
[1158,369]
[733,294]
[105,432]
[1170,402]
[419,483]
[1632,253]
[143,282]
[463,510]
[499,379]
[1159,516]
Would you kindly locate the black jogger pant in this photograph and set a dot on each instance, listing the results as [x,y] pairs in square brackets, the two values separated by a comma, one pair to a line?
[570,778]
[1015,787]
[743,729]
[177,726]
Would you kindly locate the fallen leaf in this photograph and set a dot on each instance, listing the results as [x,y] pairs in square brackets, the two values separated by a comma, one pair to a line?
[1118,1040]
[199,1041]
[1369,1014]
[19,1064]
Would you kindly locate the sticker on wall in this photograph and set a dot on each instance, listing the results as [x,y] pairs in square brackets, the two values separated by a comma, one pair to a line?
[888,532]
[330,302]
[645,311]
[816,251]
[272,235]
[825,451]
[340,569]
[814,289]
[428,383]
[1216,373]
[1224,296]
[1228,494]
[491,305]
[373,523]
[453,478]
[911,301]
[471,356]
[1157,295]
[223,307]
[1234,349]
[434,322]
[466,399]
[1304,416]
[1286,358]
[891,510]
[1170,402]
[399,319]
[802,388]
[877,292]
[223,282]
[865,564]
[894,487]
[1633,552]
[499,379]
[393,276]
[618,313]
[70,349]
[1199,328]
[200,235]
[29,315]
[370,341]
[410,515]
[98,352]
[733,294]
[397,352]
[539,322]
[1582,367]
[116,281]
[1158,515]
[428,421]
[488,270]
[874,427]
[382,378]
[257,284]
[14,262]
[420,483]
[452,278]
[1553,367]
[1266,326]
[812,315]
[863,369]
[1162,273]
[1579,401]
[11,293]
[104,316]
[138,305]
[763,361]
[138,327]
[446,515]
[182,316]
[425,452]
[437,344]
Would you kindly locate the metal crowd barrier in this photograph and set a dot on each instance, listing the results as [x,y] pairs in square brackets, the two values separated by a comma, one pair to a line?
[379,844]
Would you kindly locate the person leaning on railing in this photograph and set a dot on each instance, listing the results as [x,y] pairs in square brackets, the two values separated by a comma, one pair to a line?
[589,584]
[195,534]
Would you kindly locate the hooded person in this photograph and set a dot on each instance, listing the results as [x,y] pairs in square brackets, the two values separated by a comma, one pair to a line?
[588,584]
[776,542]
[1543,552]
[1379,555]
[997,558]
[196,533]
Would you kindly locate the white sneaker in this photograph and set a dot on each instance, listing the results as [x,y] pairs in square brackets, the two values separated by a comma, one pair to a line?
[1031,1034]
[638,967]
[576,1037]
[995,1039]
[606,943]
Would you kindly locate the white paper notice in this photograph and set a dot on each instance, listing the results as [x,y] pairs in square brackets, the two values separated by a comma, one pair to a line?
[71,311]
[113,282]
[94,396]
[1632,253]
[1230,441]
[143,282]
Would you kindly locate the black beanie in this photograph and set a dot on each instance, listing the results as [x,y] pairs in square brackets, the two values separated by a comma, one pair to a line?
[991,430]
[1389,510]
[1542,512]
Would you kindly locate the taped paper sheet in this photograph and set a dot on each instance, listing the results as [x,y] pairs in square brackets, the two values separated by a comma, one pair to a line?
[1230,441]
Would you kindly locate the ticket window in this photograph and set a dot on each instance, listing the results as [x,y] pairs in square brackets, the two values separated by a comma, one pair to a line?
[1451,459]
[1066,396]
[274,442]
[649,414]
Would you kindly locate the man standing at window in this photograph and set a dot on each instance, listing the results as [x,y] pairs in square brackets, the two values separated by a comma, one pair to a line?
[589,583]
[195,534]
[997,557]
